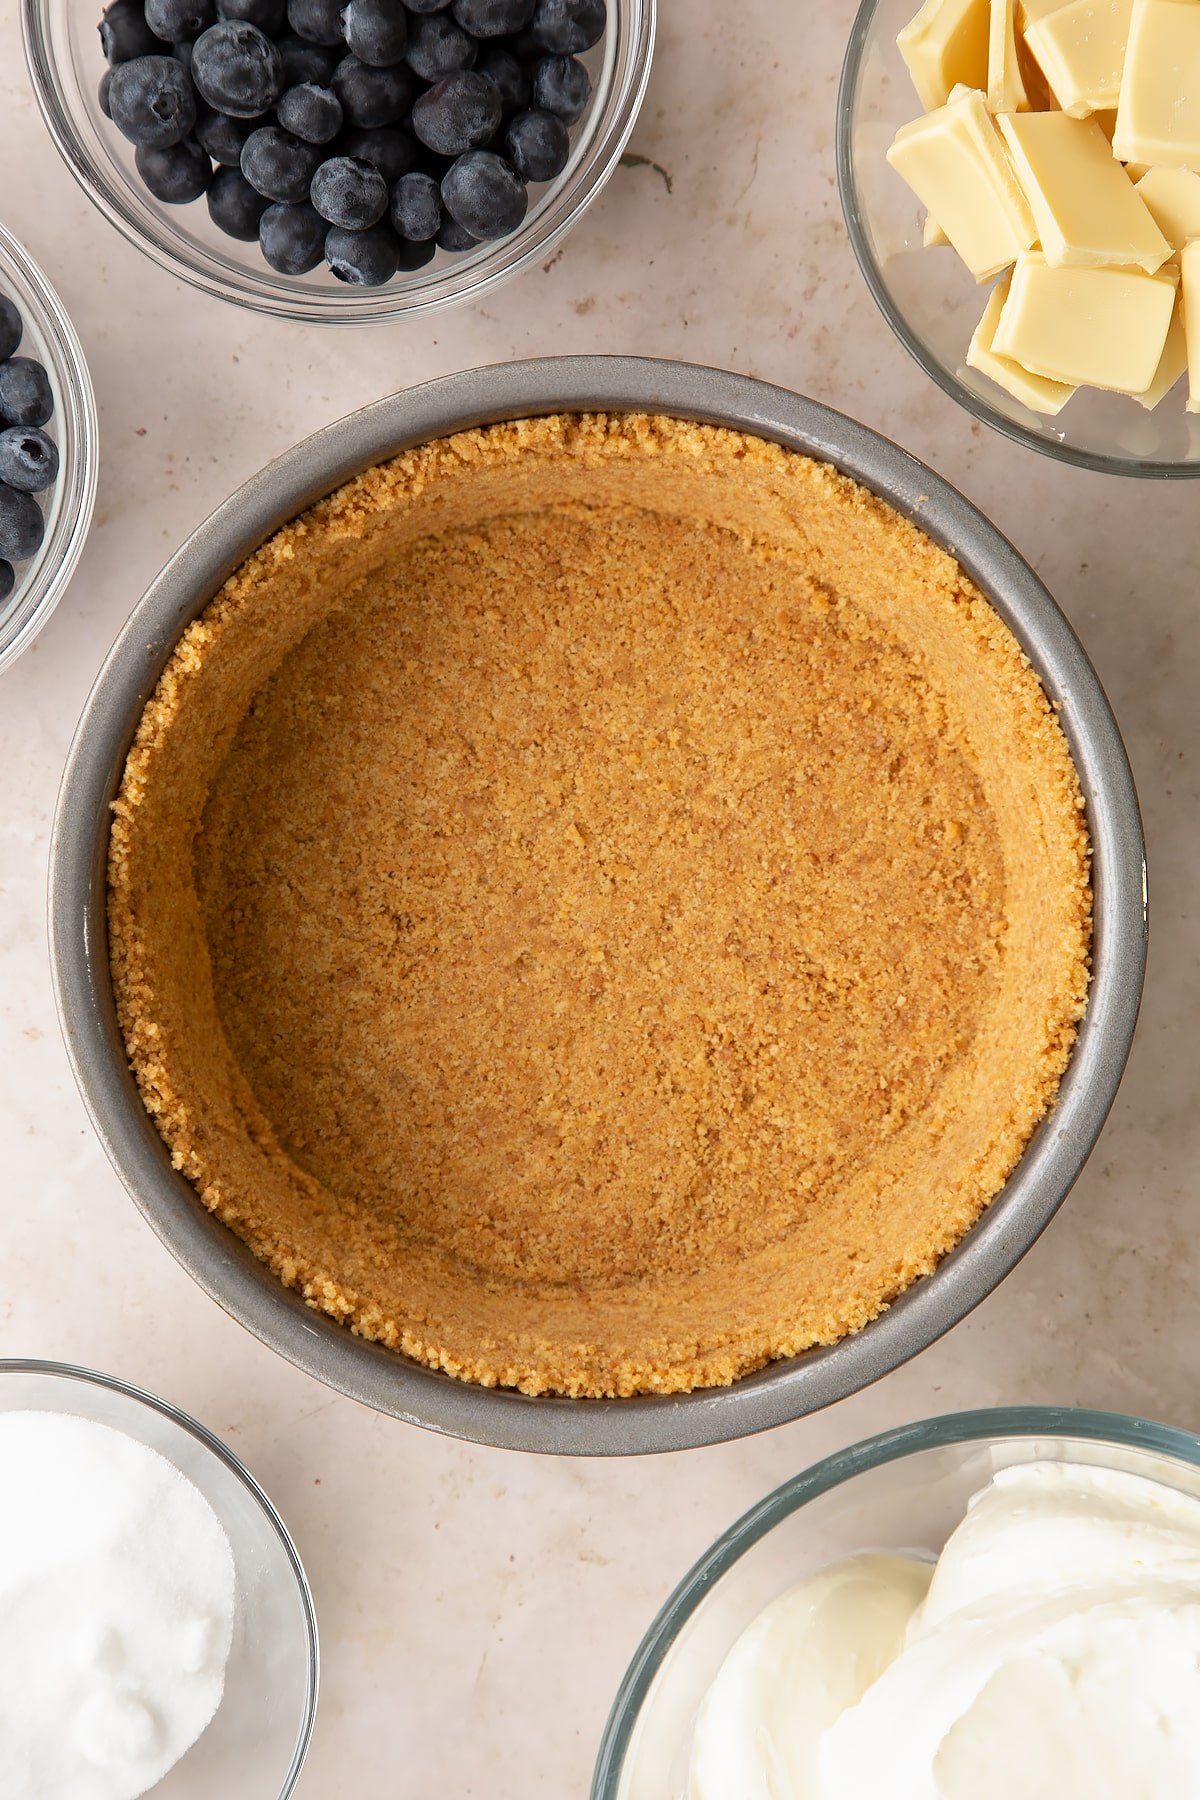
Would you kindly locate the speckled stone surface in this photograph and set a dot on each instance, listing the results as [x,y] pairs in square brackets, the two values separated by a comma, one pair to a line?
[477,1609]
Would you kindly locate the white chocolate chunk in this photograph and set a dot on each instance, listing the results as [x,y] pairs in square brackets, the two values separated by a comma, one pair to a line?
[1087,211]
[1172,364]
[1158,116]
[1191,320]
[1080,48]
[1103,328]
[945,44]
[1005,87]
[1031,12]
[1034,391]
[1037,88]
[1172,197]
[955,163]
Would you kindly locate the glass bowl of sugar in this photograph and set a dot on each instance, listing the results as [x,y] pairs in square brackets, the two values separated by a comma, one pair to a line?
[157,1632]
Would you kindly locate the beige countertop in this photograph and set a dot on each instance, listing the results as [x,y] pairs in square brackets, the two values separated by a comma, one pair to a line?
[477,1609]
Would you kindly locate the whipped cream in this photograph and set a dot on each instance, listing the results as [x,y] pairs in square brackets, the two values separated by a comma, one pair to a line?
[1054,1651]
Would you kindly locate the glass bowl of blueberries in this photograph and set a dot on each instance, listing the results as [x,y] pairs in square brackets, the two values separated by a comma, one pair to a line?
[49,449]
[341,161]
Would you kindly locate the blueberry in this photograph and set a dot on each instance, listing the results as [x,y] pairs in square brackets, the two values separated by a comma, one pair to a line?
[493,18]
[177,174]
[389,149]
[453,236]
[221,137]
[26,397]
[12,327]
[22,527]
[320,21]
[485,196]
[370,96]
[363,258]
[416,208]
[28,459]
[349,193]
[124,33]
[311,112]
[175,19]
[510,76]
[537,145]
[376,31]
[426,6]
[234,206]
[238,69]
[457,114]
[153,101]
[307,62]
[292,238]
[561,86]
[568,26]
[269,15]
[182,52]
[8,581]
[437,47]
[278,165]
[105,84]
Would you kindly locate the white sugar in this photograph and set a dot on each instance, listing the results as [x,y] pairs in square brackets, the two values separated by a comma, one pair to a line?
[116,1611]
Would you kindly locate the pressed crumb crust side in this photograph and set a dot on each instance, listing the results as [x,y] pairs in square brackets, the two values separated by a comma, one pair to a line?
[599,904]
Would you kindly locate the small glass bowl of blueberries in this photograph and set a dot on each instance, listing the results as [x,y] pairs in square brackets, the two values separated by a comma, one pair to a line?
[341,161]
[49,449]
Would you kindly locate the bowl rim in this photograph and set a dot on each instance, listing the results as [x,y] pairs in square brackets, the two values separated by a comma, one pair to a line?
[613,113]
[980,1425]
[383,1378]
[77,433]
[72,1373]
[1098,462]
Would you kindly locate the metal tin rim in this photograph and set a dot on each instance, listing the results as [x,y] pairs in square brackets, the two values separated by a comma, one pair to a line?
[226,1269]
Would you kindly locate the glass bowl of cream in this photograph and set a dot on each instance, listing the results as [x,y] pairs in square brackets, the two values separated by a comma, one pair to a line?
[981,1605]
[157,1634]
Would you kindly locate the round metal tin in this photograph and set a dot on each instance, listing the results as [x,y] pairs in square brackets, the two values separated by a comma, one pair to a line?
[221,1263]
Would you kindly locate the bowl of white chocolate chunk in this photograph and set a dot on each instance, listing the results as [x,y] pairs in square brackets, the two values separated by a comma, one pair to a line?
[990,1604]
[157,1635]
[1021,185]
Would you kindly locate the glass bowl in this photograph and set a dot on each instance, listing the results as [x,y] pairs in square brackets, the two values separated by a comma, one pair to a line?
[50,337]
[904,1491]
[930,299]
[258,1739]
[65,61]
